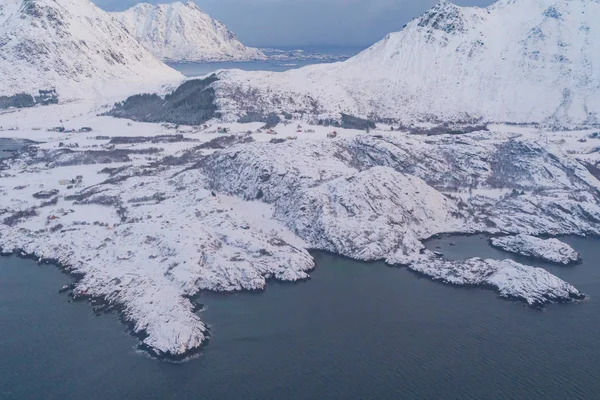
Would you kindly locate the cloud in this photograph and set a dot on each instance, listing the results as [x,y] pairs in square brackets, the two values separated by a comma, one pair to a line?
[293,23]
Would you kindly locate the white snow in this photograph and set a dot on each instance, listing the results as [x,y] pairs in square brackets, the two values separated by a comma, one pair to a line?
[74,47]
[535,286]
[552,250]
[514,61]
[184,33]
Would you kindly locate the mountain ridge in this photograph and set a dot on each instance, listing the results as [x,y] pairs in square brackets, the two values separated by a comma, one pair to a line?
[513,61]
[73,47]
[183,32]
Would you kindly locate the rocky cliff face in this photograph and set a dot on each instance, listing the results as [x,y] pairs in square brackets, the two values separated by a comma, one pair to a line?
[183,32]
[73,47]
[514,61]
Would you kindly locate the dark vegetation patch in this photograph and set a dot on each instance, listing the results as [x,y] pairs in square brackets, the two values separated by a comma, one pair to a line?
[192,103]
[20,216]
[23,100]
[52,202]
[155,198]
[89,157]
[348,122]
[223,142]
[329,122]
[352,122]
[148,139]
[270,120]
[444,129]
[114,171]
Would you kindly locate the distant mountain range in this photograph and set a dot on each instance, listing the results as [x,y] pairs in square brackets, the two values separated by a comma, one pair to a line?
[183,32]
[71,46]
[514,61]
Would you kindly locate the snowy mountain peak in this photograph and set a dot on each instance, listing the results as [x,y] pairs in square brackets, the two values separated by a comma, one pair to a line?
[183,32]
[444,16]
[519,61]
[71,46]
[192,5]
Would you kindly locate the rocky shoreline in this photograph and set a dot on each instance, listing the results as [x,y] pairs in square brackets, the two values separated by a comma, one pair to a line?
[551,250]
[149,228]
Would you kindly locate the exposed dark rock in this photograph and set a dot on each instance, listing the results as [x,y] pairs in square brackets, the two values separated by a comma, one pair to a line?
[45,194]
[277,140]
[52,202]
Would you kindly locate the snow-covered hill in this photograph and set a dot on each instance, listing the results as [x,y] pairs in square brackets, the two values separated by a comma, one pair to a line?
[514,61]
[183,32]
[74,47]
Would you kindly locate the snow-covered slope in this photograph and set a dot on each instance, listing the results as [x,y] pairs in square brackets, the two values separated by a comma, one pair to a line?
[183,32]
[514,61]
[73,46]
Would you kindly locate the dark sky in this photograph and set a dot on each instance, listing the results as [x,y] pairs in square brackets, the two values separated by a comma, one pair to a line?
[294,23]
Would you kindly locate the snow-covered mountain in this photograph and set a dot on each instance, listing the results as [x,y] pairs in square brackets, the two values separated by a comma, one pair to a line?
[73,47]
[183,32]
[514,61]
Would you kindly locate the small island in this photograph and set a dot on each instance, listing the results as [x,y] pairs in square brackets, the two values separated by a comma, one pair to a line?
[552,250]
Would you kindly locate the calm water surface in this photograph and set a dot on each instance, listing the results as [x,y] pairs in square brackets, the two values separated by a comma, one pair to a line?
[199,69]
[355,331]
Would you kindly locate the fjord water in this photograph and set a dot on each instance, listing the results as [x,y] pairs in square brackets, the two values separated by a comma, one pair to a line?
[192,69]
[203,68]
[355,331]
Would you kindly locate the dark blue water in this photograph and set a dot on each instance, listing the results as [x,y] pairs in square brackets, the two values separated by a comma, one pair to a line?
[355,331]
[204,68]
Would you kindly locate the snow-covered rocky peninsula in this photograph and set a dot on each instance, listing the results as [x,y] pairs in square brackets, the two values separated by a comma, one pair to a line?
[151,214]
[552,250]
[535,286]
